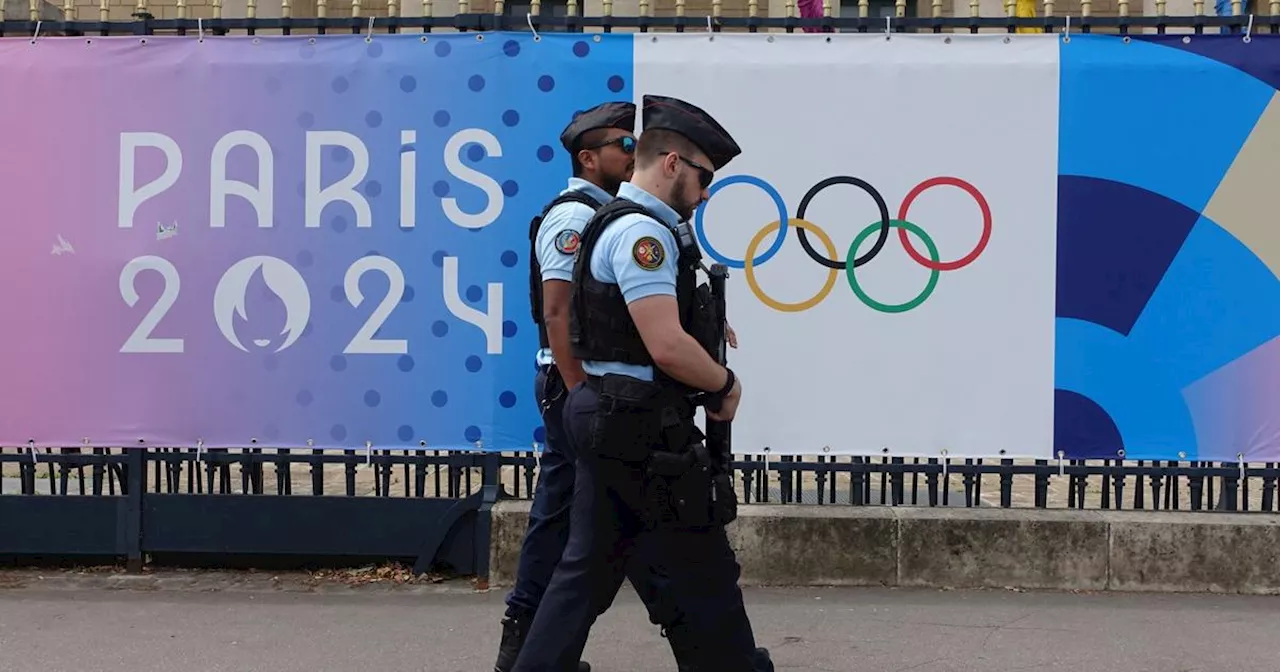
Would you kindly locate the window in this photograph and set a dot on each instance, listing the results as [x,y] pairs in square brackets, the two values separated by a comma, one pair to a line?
[876,9]
[517,11]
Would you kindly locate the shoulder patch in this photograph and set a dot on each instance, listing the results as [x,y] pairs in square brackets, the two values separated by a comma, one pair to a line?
[648,253]
[567,242]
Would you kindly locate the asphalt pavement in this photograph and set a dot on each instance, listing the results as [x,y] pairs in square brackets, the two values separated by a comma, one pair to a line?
[214,626]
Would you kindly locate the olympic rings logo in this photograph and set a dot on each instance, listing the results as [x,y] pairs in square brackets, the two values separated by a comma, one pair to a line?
[879,228]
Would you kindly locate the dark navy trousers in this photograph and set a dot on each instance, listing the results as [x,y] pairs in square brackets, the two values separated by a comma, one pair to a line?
[549,515]
[693,571]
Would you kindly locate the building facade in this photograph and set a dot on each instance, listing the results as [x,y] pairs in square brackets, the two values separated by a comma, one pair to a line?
[123,10]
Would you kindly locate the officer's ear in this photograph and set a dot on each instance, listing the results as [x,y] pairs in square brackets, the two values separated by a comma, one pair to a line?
[670,164]
[587,159]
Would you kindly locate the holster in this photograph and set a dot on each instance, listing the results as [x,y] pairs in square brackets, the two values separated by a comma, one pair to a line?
[688,489]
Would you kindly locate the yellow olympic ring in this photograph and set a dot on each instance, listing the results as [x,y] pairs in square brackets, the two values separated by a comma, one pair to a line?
[748,267]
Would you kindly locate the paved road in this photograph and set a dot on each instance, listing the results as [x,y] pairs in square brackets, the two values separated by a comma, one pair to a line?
[449,628]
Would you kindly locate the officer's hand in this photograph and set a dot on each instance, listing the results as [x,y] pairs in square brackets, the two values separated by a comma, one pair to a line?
[729,405]
[730,336]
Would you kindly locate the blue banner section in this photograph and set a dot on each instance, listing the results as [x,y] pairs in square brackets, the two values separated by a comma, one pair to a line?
[1168,303]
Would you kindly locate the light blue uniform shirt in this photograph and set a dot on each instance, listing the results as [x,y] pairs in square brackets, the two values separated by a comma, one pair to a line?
[558,237]
[638,254]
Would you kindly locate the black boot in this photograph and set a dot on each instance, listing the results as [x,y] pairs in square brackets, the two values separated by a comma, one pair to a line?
[763,662]
[513,633]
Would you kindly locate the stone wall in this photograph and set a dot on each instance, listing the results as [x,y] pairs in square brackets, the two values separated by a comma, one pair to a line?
[795,545]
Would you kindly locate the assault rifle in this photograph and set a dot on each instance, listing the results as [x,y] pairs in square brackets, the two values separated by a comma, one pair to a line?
[719,446]
[717,431]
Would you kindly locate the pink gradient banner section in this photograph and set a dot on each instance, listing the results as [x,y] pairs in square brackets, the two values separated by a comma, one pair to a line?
[1233,408]
[65,249]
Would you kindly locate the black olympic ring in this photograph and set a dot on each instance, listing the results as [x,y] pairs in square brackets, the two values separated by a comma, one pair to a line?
[884,221]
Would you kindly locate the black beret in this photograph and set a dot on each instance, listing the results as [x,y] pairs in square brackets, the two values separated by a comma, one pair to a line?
[606,115]
[673,114]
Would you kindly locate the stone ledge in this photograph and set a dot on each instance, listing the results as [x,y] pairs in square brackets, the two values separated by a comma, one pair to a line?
[801,545]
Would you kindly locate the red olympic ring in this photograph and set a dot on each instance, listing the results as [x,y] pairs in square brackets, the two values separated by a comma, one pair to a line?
[986,224]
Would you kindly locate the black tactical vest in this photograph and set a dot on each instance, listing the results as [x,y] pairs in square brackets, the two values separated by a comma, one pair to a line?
[535,269]
[600,327]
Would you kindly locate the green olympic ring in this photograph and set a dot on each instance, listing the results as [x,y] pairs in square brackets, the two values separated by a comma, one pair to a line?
[901,307]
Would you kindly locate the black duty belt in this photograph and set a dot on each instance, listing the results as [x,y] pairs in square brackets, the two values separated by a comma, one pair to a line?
[643,391]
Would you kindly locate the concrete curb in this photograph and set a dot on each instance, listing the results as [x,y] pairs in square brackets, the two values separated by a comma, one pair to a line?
[794,545]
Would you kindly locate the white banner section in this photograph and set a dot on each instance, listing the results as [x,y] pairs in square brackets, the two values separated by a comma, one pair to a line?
[928,163]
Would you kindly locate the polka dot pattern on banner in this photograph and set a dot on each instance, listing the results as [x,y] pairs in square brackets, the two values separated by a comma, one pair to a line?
[418,395]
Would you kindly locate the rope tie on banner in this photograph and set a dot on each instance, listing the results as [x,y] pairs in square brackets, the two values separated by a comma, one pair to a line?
[32,445]
[200,27]
[199,451]
[528,17]
[1248,29]
[36,35]
[1240,461]
[888,27]
[1062,469]
[709,29]
[945,463]
[1066,32]
[537,456]
[369,37]
[368,453]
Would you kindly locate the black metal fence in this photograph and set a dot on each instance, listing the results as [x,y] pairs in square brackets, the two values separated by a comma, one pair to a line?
[431,509]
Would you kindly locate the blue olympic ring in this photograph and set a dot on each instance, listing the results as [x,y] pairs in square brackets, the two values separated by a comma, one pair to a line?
[701,231]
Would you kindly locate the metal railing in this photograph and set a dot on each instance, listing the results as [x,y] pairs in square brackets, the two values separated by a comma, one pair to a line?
[145,23]
[805,480]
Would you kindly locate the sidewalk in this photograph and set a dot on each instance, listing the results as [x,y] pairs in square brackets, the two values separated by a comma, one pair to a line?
[185,623]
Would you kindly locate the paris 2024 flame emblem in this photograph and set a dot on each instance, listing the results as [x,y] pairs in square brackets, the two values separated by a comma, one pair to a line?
[281,279]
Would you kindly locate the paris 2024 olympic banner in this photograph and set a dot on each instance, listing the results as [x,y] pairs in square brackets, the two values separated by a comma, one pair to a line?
[959,245]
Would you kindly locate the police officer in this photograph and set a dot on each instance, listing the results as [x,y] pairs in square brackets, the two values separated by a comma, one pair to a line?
[601,146]
[644,493]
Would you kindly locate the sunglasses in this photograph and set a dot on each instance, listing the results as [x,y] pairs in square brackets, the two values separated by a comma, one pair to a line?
[705,175]
[626,143]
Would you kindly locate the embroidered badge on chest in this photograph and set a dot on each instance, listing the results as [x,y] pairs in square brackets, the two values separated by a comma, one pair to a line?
[567,242]
[648,253]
